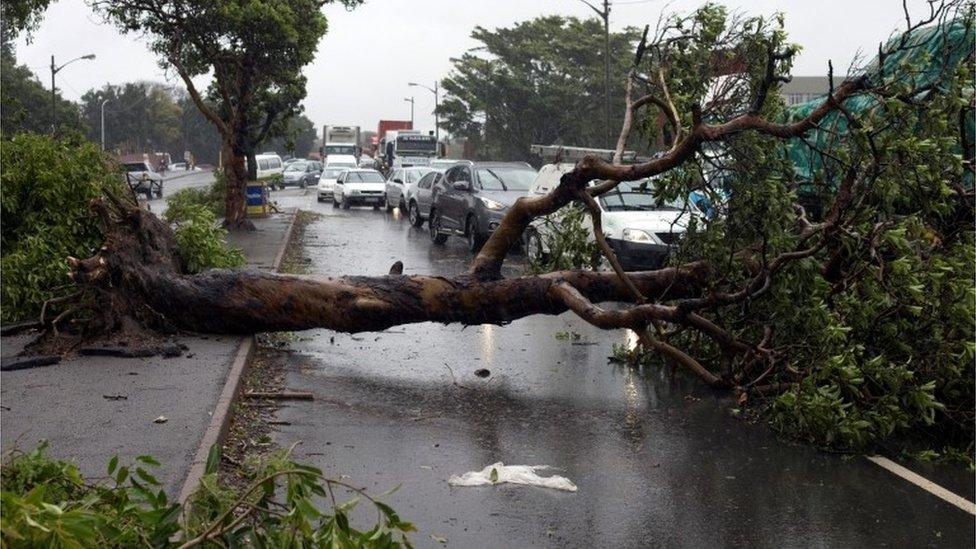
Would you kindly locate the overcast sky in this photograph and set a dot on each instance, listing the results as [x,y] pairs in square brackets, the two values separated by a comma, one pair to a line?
[364,62]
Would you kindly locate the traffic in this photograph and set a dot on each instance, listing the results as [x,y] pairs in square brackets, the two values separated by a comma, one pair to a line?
[407,170]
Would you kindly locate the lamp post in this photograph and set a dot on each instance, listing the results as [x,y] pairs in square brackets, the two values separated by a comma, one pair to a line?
[103,122]
[434,90]
[411,101]
[54,89]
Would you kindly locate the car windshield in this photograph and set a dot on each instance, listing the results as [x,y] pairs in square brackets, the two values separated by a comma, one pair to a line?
[342,166]
[364,177]
[332,173]
[506,178]
[296,167]
[137,167]
[414,176]
[340,149]
[637,196]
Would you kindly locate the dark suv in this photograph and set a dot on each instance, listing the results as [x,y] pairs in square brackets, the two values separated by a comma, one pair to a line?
[471,199]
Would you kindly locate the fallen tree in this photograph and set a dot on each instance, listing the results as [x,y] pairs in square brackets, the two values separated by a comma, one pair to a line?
[765,299]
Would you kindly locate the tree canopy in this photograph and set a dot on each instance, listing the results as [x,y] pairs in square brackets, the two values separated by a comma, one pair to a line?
[539,81]
[255,50]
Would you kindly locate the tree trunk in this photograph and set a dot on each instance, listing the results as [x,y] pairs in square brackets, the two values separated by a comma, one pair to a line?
[252,165]
[139,272]
[235,203]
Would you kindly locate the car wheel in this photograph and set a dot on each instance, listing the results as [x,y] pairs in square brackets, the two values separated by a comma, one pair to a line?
[335,203]
[434,225]
[475,239]
[414,213]
[402,205]
[343,202]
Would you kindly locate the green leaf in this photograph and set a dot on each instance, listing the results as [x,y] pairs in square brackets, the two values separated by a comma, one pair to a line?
[213,459]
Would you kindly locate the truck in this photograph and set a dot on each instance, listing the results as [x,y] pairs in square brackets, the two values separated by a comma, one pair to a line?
[405,148]
[342,140]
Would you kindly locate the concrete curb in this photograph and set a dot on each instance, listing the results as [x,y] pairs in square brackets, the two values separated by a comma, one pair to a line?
[220,418]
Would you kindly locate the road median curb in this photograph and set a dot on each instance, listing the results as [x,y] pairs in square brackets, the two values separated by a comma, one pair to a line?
[220,418]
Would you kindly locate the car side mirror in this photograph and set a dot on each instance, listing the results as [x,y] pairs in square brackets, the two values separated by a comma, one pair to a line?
[461,185]
[398,180]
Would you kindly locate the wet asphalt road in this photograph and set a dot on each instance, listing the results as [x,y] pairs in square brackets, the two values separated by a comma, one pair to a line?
[659,460]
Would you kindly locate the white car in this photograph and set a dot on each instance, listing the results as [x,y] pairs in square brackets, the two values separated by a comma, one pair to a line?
[359,187]
[400,184]
[640,231]
[327,182]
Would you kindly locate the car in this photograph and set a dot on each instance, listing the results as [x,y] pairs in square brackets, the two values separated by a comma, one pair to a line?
[327,182]
[143,179]
[471,199]
[347,160]
[177,167]
[301,173]
[419,197]
[358,186]
[268,165]
[401,180]
[367,161]
[641,229]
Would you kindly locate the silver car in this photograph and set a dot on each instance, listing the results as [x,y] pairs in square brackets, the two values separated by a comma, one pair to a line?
[419,197]
[399,183]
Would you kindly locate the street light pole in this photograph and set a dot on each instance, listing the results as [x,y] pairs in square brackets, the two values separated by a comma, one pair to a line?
[411,101]
[54,89]
[436,91]
[103,122]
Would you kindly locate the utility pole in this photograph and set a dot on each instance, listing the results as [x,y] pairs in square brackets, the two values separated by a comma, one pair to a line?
[604,14]
[103,122]
[411,101]
[436,91]
[54,89]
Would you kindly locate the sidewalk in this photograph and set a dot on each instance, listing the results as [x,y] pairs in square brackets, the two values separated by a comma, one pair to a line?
[91,408]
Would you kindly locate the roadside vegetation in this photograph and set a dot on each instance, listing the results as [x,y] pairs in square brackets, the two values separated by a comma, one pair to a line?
[46,188]
[48,503]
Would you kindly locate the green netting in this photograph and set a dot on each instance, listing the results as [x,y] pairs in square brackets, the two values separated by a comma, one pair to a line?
[929,53]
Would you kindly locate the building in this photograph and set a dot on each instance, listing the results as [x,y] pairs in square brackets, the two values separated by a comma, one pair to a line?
[804,88]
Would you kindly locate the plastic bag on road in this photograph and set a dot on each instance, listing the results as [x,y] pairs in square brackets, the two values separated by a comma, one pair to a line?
[498,473]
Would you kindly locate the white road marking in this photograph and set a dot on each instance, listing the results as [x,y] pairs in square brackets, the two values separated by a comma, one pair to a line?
[925,484]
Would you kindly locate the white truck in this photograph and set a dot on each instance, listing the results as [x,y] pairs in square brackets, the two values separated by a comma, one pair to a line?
[342,140]
[405,148]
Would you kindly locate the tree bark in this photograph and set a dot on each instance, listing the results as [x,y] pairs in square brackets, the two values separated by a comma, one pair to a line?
[138,268]
[235,202]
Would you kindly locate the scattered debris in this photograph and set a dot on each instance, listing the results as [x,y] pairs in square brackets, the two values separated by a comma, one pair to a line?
[161,419]
[167,350]
[18,327]
[499,473]
[278,422]
[280,395]
[482,372]
[115,397]
[9,364]
[439,539]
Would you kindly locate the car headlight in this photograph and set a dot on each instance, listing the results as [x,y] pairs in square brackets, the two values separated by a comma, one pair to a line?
[491,204]
[639,236]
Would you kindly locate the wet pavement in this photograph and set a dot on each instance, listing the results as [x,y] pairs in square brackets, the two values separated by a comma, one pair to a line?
[659,460]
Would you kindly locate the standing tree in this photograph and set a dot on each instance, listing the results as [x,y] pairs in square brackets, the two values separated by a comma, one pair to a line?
[540,81]
[140,117]
[254,49]
[851,326]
